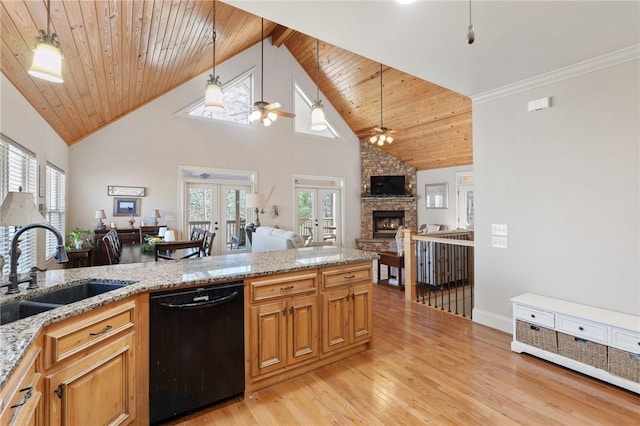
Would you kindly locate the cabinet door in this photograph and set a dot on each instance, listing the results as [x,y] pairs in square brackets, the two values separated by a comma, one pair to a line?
[361,312]
[335,319]
[268,337]
[95,390]
[302,329]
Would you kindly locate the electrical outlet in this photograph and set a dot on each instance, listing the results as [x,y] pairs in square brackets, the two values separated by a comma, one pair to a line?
[499,242]
[499,229]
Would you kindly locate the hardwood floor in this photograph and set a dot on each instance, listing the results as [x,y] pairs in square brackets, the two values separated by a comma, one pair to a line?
[430,367]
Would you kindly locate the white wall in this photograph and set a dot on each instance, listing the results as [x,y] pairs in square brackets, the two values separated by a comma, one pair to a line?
[446,216]
[146,147]
[566,182]
[22,123]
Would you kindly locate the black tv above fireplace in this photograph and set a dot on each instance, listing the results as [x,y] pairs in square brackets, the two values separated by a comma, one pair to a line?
[387,185]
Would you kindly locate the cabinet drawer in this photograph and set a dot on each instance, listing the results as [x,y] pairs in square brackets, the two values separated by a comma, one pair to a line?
[84,331]
[23,394]
[582,328]
[536,316]
[347,275]
[283,285]
[626,340]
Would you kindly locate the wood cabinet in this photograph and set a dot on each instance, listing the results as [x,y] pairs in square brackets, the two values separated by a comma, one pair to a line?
[347,307]
[21,399]
[90,367]
[283,325]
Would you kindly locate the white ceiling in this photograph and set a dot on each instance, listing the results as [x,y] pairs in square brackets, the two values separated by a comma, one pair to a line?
[515,40]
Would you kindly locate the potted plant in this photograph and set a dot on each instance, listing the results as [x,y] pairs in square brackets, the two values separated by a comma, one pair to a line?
[79,239]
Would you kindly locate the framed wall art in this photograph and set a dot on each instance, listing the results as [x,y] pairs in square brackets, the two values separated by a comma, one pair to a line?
[126,191]
[126,206]
[437,195]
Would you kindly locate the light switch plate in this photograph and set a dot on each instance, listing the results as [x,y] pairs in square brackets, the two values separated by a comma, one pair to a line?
[499,229]
[499,242]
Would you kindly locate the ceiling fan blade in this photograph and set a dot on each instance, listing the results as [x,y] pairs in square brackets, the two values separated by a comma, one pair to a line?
[274,105]
[283,113]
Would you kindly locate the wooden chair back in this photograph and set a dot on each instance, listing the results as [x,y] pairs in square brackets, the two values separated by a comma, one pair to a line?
[112,245]
[164,249]
[148,231]
[197,233]
[207,245]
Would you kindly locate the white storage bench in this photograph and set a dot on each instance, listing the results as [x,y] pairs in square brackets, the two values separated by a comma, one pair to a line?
[600,343]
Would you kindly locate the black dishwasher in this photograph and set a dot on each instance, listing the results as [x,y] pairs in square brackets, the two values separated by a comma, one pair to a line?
[196,348]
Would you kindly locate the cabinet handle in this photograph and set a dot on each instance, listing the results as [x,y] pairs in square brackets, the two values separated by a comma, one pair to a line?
[291,310]
[580,341]
[534,328]
[349,277]
[104,330]
[284,312]
[286,288]
[581,328]
[25,398]
[353,296]
[533,316]
[634,357]
[58,391]
[347,297]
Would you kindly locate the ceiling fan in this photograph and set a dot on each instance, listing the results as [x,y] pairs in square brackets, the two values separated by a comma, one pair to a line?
[262,111]
[381,134]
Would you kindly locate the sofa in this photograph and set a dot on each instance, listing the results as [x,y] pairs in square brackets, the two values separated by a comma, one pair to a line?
[266,238]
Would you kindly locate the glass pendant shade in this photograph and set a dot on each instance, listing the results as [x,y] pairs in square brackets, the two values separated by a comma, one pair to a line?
[272,116]
[213,96]
[318,121]
[47,62]
[255,115]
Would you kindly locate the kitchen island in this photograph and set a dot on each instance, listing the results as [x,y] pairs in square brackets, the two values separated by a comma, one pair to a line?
[331,268]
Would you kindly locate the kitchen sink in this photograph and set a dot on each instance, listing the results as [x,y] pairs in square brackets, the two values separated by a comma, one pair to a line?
[29,306]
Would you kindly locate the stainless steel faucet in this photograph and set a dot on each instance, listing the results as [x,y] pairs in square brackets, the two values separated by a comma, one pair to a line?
[14,280]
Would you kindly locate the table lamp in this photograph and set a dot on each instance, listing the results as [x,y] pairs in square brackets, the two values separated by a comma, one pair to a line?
[100,215]
[19,209]
[155,215]
[256,201]
[170,235]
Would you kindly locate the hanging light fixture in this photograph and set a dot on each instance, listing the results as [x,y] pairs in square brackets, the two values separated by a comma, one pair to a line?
[471,36]
[382,133]
[213,95]
[47,57]
[261,111]
[318,121]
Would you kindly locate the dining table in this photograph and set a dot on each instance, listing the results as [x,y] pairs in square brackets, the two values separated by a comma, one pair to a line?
[132,253]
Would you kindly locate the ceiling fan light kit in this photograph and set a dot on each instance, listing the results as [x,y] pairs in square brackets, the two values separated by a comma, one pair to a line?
[318,120]
[213,98]
[47,57]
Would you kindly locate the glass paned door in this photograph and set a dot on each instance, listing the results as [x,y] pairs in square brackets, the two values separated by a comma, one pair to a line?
[318,217]
[220,209]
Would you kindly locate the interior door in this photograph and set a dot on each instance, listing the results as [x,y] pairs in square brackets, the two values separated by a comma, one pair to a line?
[221,209]
[318,217]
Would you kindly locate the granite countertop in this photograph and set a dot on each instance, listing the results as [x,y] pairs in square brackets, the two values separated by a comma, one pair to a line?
[16,337]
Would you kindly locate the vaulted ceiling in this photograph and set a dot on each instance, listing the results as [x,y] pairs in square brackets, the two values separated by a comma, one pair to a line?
[121,54]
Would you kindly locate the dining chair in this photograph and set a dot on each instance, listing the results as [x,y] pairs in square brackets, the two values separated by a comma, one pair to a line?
[184,249]
[196,233]
[148,231]
[112,245]
[207,245]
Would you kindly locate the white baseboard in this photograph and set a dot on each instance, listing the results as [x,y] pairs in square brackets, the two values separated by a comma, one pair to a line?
[492,320]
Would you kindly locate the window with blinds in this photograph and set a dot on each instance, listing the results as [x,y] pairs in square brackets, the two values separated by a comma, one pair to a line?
[17,169]
[55,206]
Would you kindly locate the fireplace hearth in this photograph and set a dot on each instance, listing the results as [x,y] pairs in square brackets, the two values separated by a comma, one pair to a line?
[386,223]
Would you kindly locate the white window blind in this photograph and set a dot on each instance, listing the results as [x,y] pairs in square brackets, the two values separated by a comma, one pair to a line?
[55,206]
[17,169]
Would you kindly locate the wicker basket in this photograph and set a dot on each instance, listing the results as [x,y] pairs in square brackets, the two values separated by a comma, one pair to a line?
[537,336]
[582,350]
[624,364]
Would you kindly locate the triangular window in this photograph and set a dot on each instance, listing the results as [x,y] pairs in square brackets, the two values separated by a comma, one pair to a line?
[303,116]
[238,98]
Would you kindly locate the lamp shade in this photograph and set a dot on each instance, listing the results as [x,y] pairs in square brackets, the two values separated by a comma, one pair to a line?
[170,235]
[213,96]
[318,121]
[256,201]
[47,63]
[100,215]
[19,209]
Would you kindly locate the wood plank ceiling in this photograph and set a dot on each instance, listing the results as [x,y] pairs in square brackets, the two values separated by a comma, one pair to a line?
[121,54]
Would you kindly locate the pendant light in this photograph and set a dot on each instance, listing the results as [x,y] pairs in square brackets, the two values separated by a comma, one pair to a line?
[382,133]
[471,36]
[318,121]
[213,95]
[47,57]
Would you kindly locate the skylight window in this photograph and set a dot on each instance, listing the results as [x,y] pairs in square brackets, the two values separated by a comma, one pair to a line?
[303,116]
[237,98]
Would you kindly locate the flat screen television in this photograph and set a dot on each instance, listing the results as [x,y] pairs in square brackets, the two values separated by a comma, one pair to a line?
[387,185]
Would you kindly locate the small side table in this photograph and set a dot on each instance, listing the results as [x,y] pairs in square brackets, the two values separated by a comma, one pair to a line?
[391,258]
[79,258]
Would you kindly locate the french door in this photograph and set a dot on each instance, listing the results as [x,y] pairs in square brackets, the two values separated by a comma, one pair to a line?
[319,214]
[220,208]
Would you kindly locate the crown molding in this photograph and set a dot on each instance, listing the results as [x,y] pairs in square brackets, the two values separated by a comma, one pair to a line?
[607,60]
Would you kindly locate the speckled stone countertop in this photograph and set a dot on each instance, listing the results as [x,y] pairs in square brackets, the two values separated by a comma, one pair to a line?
[16,337]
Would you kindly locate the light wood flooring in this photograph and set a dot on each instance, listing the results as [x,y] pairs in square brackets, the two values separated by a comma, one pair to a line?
[430,367]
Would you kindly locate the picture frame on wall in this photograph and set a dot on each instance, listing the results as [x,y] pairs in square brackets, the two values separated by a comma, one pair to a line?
[126,206]
[437,195]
